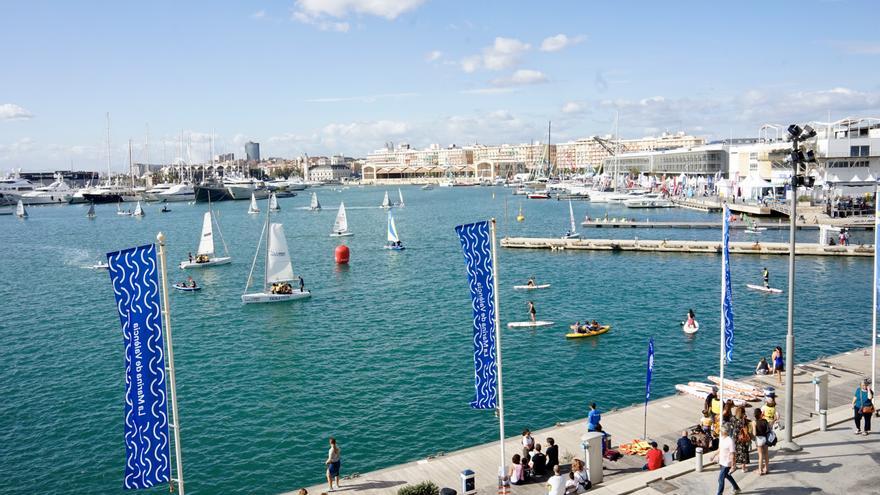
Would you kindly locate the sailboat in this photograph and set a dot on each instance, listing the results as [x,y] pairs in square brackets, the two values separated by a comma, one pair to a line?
[120,211]
[340,226]
[572,230]
[386,203]
[273,203]
[138,211]
[279,271]
[91,213]
[400,195]
[20,212]
[315,205]
[253,208]
[205,254]
[393,239]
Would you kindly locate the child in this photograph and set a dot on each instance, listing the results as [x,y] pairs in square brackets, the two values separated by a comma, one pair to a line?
[706,421]
[667,455]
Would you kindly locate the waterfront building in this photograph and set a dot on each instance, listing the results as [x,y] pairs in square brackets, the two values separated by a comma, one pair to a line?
[848,152]
[252,151]
[589,153]
[404,163]
[707,159]
[333,169]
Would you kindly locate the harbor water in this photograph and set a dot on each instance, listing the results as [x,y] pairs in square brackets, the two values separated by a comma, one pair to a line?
[381,356]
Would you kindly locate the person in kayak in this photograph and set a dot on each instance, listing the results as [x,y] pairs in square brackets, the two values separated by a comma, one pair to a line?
[532,311]
[766,275]
[691,322]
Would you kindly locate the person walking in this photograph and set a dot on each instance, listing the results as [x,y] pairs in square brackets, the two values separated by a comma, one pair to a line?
[778,364]
[725,455]
[863,407]
[760,429]
[333,464]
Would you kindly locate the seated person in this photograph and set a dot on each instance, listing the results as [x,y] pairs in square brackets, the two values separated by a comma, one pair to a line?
[531,282]
[706,421]
[654,458]
[538,462]
[684,448]
[594,325]
[762,368]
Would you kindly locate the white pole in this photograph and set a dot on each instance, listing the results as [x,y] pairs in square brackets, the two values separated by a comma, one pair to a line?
[498,367]
[723,343]
[874,290]
[175,424]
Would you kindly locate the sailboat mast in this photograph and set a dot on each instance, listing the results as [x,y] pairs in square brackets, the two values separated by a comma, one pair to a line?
[549,165]
[130,166]
[268,227]
[108,148]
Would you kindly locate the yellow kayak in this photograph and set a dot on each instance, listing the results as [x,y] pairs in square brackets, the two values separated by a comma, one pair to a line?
[600,331]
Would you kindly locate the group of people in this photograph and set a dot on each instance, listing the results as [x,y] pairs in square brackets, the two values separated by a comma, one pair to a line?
[285,287]
[775,366]
[587,327]
[200,258]
[536,464]
[190,283]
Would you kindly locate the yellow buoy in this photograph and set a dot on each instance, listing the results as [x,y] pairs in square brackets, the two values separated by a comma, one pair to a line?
[520,217]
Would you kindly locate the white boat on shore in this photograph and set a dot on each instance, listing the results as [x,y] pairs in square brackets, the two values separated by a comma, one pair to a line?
[205,254]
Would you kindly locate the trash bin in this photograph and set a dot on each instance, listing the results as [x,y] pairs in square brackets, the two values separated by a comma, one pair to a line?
[448,491]
[468,482]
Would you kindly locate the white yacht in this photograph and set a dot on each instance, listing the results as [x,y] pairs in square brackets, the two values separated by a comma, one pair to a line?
[152,193]
[13,188]
[111,193]
[177,193]
[78,196]
[243,187]
[55,193]
[648,201]
[295,184]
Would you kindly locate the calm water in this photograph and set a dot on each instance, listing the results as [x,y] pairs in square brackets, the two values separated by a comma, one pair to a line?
[380,357]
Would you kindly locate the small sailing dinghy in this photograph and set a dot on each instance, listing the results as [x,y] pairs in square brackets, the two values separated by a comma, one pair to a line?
[91,214]
[138,211]
[273,203]
[340,225]
[400,195]
[761,288]
[315,205]
[120,211]
[253,209]
[394,243]
[20,210]
[529,324]
[386,203]
[205,254]
[572,229]
[277,282]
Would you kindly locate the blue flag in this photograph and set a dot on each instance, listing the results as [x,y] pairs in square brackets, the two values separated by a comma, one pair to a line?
[650,370]
[727,306]
[476,244]
[134,274]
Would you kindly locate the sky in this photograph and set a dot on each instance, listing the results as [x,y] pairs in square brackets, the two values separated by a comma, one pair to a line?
[346,76]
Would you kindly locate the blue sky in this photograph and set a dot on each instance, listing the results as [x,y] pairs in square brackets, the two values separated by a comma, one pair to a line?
[345,76]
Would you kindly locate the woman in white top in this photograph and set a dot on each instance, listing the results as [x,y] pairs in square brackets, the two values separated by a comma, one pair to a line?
[333,464]
[581,478]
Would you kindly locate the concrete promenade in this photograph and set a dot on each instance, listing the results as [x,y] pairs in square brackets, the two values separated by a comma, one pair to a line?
[667,417]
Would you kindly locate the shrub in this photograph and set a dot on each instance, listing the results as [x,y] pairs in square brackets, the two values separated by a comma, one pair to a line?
[423,488]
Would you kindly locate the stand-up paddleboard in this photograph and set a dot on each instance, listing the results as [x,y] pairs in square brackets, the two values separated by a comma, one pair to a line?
[690,329]
[531,287]
[761,288]
[529,324]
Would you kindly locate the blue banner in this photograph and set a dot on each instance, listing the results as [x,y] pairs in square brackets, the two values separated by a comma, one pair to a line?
[135,277]
[727,307]
[650,370]
[476,244]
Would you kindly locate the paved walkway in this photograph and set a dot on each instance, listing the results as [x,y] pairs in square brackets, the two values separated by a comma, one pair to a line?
[667,418]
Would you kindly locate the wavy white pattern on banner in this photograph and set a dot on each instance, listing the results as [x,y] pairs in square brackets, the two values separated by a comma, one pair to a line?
[477,250]
[728,300]
[134,276]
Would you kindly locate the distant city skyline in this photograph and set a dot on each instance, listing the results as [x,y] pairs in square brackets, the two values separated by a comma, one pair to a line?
[327,77]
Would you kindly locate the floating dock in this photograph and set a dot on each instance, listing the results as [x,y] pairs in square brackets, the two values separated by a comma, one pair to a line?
[696,247]
[617,224]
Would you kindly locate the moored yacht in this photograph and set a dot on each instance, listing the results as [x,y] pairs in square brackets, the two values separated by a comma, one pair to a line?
[111,193]
[13,188]
[55,193]
[177,193]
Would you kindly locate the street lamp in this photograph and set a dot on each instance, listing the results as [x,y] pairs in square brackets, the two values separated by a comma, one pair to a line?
[797,158]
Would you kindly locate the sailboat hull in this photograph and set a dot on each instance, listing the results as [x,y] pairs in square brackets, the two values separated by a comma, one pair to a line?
[224,260]
[268,297]
[342,234]
[394,248]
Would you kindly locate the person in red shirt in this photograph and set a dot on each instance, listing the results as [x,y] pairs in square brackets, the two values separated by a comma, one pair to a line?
[654,458]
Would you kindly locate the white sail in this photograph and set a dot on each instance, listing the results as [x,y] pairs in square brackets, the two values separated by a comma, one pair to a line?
[386,203]
[138,211]
[315,205]
[20,212]
[91,213]
[400,195]
[340,226]
[278,267]
[571,217]
[273,203]
[253,208]
[206,243]
[392,229]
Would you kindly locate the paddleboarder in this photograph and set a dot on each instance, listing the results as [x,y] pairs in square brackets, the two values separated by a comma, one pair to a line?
[766,276]
[532,311]
[690,319]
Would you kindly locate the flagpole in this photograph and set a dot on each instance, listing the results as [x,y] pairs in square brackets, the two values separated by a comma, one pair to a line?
[874,289]
[500,408]
[723,343]
[171,380]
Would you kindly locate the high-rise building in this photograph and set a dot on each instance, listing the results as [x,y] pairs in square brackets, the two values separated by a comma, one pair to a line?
[252,150]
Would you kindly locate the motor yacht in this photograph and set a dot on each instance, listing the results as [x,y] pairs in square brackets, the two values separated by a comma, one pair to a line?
[177,193]
[152,193]
[111,193]
[57,192]
[12,188]
[648,201]
[243,187]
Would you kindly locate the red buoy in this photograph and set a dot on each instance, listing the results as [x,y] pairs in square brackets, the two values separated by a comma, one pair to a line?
[342,254]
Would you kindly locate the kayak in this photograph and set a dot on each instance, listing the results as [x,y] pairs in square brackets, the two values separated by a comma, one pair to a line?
[728,393]
[686,389]
[531,287]
[529,324]
[741,387]
[689,328]
[186,288]
[761,288]
[577,335]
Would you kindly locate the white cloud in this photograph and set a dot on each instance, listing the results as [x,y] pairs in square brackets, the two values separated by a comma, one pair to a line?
[573,107]
[521,77]
[504,53]
[560,41]
[389,9]
[487,91]
[11,111]
[260,14]
[323,25]
[433,55]
[363,99]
